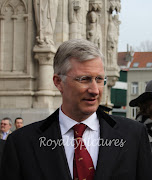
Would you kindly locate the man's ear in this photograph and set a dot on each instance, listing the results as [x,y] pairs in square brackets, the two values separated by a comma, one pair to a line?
[58,82]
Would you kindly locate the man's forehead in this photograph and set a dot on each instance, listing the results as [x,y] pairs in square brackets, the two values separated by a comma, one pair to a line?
[19,120]
[5,120]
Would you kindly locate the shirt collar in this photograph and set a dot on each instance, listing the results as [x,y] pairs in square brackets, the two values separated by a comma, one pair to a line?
[5,132]
[67,123]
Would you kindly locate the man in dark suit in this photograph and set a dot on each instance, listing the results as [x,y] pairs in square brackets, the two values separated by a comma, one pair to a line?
[79,141]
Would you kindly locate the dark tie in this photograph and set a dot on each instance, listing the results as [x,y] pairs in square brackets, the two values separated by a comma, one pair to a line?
[83,168]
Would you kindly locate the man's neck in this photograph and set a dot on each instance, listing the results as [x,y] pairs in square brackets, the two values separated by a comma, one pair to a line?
[77,117]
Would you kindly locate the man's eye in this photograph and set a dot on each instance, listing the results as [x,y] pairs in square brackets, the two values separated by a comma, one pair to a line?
[99,79]
[85,79]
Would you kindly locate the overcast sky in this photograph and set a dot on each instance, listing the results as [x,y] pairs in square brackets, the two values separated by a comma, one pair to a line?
[136,23]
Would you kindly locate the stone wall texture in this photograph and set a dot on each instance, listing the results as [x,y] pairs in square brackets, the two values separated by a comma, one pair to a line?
[30,33]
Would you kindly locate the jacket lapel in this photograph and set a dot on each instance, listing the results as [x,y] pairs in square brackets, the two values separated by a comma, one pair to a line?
[50,155]
[110,146]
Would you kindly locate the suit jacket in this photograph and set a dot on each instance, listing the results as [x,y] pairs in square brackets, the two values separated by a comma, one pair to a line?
[2,143]
[25,158]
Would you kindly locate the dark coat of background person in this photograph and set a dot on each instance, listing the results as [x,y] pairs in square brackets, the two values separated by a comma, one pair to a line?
[2,143]
[27,160]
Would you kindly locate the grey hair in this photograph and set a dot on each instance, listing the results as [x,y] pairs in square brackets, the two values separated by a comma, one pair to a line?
[80,49]
[9,119]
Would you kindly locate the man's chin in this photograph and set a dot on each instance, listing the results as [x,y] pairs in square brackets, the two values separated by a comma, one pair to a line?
[90,110]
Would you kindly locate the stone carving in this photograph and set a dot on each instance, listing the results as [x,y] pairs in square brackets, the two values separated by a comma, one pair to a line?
[111,6]
[77,17]
[14,13]
[115,5]
[112,80]
[8,10]
[95,5]
[113,33]
[45,16]
[118,5]
[20,9]
[14,6]
[94,33]
[0,6]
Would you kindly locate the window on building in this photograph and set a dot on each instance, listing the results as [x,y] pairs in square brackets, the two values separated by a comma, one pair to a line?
[149,65]
[134,88]
[134,112]
[136,64]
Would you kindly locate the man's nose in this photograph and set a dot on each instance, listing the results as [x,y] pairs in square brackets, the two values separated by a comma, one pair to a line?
[93,87]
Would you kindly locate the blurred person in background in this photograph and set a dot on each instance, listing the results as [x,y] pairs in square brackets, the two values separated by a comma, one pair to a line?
[144,102]
[18,123]
[5,128]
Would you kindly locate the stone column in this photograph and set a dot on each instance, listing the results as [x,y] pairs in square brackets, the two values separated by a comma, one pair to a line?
[112,45]
[1,41]
[45,60]
[44,49]
[44,96]
[14,17]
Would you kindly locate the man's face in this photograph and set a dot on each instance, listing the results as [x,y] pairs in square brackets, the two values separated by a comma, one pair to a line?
[19,123]
[80,100]
[5,126]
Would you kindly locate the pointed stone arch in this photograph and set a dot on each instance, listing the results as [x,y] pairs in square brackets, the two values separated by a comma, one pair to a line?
[14,24]
[5,5]
[14,4]
[21,2]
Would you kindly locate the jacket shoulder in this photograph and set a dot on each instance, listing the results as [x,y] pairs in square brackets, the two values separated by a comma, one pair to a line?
[125,121]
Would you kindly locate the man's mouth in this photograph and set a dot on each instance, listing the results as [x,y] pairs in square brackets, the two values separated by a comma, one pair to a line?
[90,100]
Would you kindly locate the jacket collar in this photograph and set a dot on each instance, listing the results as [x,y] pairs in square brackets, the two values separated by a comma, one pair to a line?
[55,116]
[104,116]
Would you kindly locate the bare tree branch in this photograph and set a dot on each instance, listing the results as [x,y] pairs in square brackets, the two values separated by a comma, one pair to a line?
[145,46]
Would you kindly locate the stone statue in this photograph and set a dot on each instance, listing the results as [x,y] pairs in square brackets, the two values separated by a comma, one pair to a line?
[112,40]
[77,17]
[95,5]
[45,16]
[94,33]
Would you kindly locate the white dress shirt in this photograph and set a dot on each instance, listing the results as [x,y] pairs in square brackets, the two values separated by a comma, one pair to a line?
[90,137]
[4,135]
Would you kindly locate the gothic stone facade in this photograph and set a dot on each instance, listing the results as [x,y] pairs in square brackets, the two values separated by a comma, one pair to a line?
[31,31]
